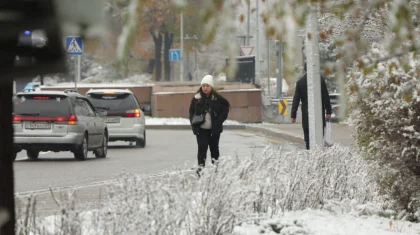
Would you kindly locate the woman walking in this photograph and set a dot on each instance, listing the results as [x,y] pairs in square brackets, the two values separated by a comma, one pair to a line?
[208,111]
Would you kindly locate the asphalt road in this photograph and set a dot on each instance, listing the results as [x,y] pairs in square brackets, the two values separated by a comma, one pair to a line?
[166,150]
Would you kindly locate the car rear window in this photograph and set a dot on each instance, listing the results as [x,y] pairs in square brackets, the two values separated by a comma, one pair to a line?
[41,105]
[113,102]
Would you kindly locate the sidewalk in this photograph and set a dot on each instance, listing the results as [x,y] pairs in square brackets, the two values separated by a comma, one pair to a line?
[341,133]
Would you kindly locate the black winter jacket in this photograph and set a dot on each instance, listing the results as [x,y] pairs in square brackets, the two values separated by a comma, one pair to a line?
[301,95]
[219,111]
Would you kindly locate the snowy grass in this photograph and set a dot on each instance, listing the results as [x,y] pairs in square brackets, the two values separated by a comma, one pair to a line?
[229,198]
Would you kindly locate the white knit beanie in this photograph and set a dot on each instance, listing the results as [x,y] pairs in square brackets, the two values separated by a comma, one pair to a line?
[208,79]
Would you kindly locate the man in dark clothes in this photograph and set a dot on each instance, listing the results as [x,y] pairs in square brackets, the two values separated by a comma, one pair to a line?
[301,94]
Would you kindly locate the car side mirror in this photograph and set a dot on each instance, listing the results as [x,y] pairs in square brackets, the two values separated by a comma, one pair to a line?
[146,108]
[101,113]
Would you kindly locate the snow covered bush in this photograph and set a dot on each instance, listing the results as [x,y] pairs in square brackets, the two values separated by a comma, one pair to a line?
[328,55]
[240,189]
[386,117]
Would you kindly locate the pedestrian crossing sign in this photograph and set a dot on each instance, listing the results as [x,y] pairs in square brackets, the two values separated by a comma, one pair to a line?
[74,45]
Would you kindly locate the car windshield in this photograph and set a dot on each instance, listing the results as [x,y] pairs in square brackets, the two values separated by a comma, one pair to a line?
[112,102]
[41,105]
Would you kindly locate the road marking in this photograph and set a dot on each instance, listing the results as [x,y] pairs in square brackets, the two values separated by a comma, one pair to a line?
[97,183]
[264,138]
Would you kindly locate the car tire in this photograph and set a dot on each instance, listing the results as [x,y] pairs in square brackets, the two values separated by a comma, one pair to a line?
[82,150]
[32,154]
[103,150]
[141,143]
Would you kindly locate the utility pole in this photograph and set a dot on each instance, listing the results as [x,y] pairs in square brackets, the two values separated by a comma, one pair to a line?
[196,64]
[76,71]
[268,69]
[316,126]
[188,58]
[195,55]
[248,22]
[278,49]
[268,65]
[182,48]
[257,54]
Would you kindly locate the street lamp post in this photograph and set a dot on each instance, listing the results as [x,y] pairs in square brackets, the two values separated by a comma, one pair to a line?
[314,80]
[188,58]
[278,50]
[182,48]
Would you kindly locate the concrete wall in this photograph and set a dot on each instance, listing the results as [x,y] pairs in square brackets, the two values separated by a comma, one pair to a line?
[142,92]
[173,100]
[245,104]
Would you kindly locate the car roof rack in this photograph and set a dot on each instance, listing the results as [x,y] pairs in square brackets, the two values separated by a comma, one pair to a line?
[70,90]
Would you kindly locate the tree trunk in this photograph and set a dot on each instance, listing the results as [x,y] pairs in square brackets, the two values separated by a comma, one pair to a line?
[151,66]
[168,43]
[7,153]
[158,48]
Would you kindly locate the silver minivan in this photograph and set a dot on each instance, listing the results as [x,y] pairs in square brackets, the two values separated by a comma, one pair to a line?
[58,121]
[124,117]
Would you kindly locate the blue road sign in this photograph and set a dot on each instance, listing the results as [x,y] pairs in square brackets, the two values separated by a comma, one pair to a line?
[174,54]
[74,45]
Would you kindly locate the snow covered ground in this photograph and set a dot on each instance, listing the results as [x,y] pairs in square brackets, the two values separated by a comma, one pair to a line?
[304,222]
[319,222]
[179,121]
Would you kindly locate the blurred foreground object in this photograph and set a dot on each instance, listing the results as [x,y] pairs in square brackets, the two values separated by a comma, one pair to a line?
[31,44]
[32,32]
[84,18]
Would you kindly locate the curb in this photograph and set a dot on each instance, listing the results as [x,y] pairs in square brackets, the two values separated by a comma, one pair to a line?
[188,127]
[281,135]
[264,131]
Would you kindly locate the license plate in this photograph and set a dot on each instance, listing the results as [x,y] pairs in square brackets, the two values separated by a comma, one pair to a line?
[37,125]
[112,120]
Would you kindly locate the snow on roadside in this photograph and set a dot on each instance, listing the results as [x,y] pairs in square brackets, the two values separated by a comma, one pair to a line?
[316,222]
[179,121]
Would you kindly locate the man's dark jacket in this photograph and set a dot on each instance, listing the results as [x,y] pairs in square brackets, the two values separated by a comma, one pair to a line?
[301,95]
[219,111]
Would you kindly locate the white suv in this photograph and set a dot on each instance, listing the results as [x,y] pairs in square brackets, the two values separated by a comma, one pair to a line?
[124,117]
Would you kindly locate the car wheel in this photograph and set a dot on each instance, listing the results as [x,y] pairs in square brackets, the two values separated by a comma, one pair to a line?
[82,150]
[103,150]
[32,154]
[141,143]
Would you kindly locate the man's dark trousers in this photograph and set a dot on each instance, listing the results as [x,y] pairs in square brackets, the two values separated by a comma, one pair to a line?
[205,139]
[306,136]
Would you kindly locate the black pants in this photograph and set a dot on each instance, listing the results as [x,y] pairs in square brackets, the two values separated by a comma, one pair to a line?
[306,135]
[204,140]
